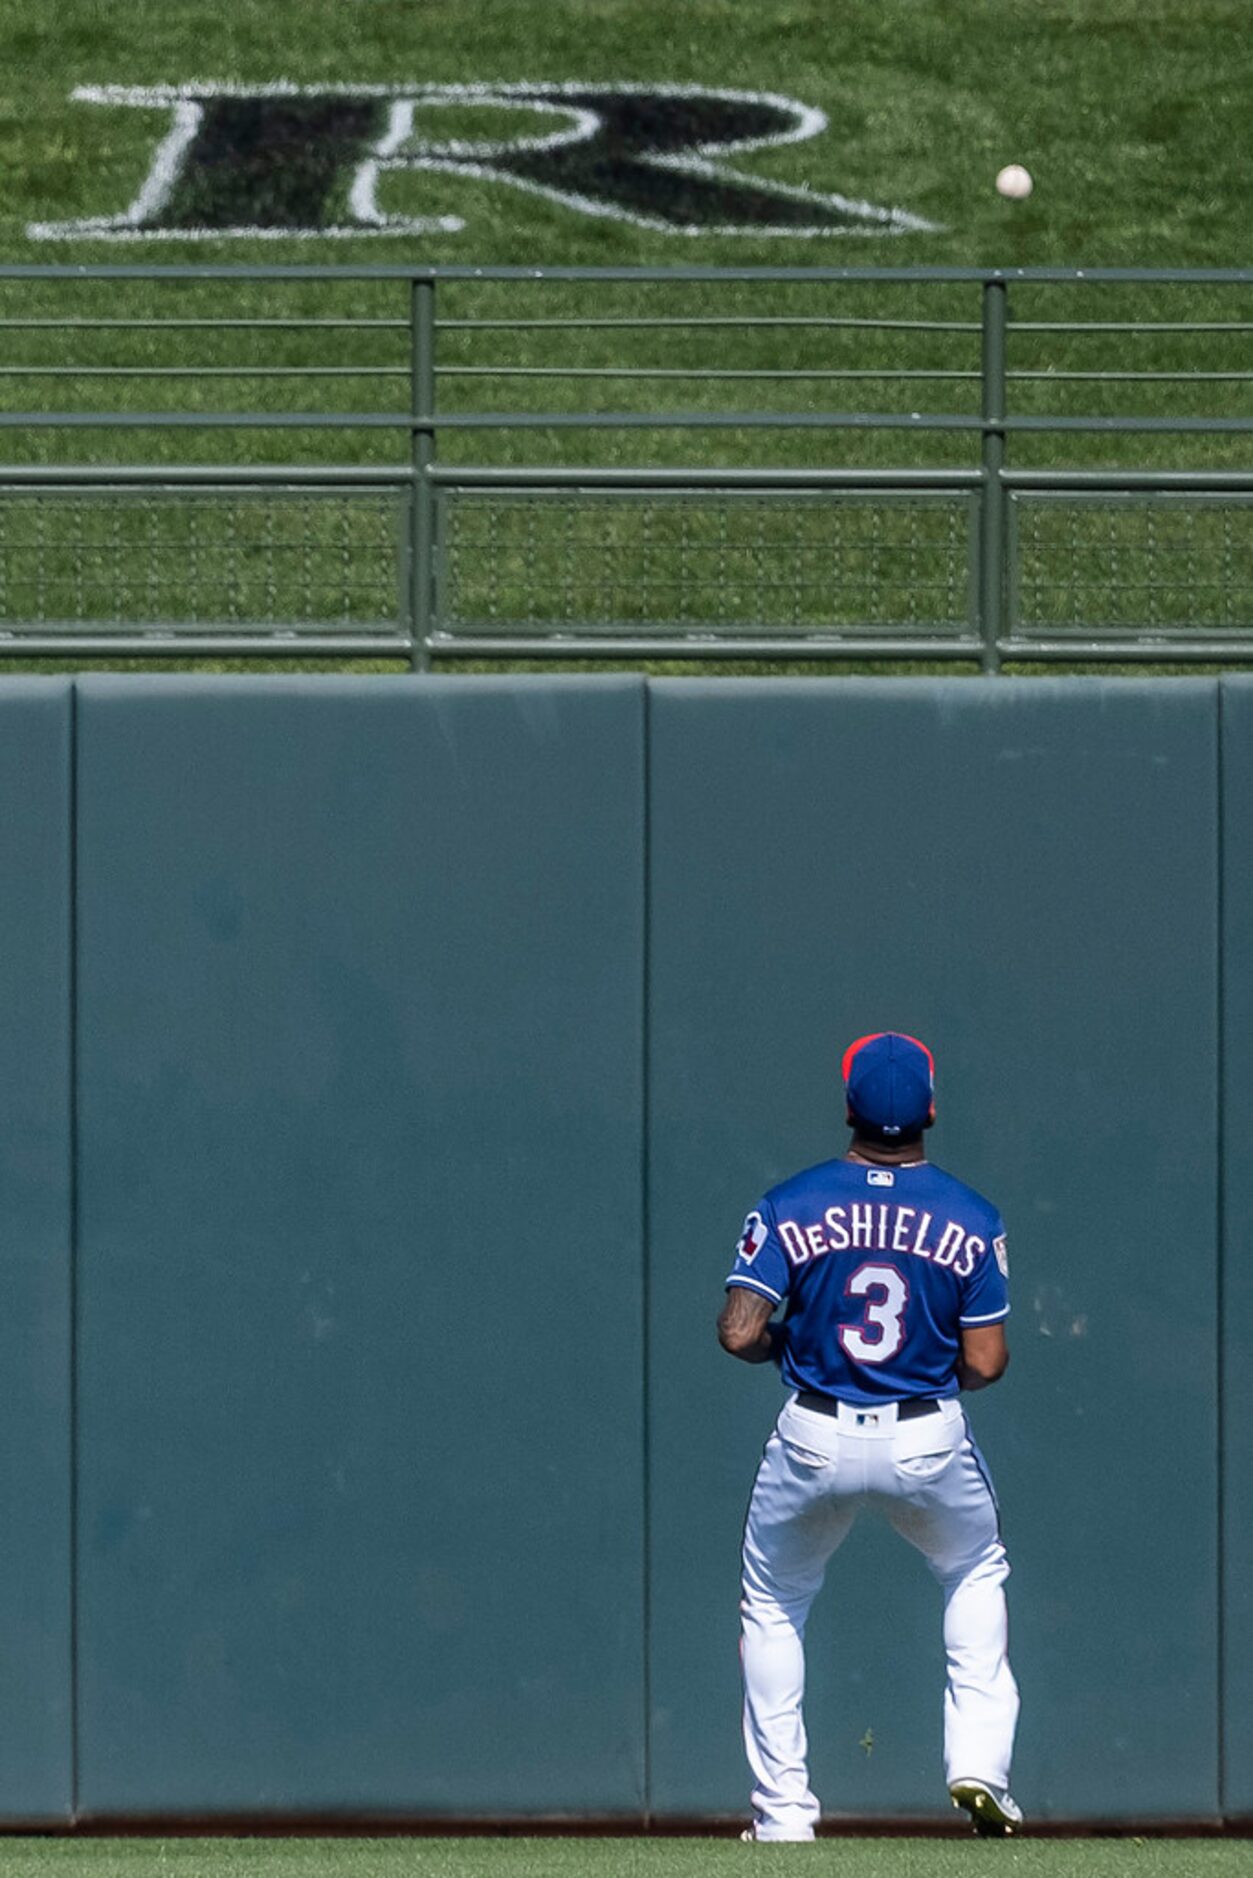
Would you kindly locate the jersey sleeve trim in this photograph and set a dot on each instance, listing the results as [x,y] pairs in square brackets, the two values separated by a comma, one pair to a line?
[754,1284]
[993,1317]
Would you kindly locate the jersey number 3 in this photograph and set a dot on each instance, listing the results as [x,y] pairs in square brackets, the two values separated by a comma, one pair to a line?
[881,1331]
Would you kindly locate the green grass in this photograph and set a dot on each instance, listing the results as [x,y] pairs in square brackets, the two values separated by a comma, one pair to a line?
[1132,115]
[619,1858]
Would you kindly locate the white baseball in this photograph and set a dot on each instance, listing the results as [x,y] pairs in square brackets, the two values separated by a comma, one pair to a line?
[1014,181]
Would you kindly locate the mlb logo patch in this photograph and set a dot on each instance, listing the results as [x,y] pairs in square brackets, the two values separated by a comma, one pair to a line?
[752,1239]
[880,1177]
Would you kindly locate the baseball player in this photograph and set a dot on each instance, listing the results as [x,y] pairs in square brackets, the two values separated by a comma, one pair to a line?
[894,1280]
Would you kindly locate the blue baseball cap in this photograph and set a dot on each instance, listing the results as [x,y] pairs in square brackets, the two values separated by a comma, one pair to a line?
[889,1080]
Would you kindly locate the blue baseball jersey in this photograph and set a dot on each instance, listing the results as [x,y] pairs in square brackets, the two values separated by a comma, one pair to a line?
[880,1269]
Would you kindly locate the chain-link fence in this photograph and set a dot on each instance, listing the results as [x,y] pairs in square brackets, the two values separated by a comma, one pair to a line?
[234,561]
[1167,563]
[724,564]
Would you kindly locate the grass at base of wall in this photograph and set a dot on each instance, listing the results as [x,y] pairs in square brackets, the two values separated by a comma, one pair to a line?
[521,1857]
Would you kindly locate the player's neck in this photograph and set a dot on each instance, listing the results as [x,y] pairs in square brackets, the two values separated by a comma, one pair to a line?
[881,1154]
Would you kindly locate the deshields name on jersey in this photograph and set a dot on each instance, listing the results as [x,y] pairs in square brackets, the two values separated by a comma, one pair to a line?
[869,1226]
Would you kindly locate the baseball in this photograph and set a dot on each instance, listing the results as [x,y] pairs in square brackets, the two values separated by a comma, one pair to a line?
[1014,181]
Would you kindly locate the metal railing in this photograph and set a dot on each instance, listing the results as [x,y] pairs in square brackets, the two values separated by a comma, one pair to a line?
[652,476]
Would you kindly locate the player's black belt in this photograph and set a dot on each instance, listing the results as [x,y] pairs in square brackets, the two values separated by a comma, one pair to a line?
[905,1411]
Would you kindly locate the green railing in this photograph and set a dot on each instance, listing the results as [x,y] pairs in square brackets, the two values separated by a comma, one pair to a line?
[698,462]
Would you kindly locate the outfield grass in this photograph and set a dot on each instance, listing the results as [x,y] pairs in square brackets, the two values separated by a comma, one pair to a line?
[620,1858]
[1132,115]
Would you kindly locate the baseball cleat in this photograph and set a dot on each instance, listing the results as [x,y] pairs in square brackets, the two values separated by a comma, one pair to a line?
[994,1814]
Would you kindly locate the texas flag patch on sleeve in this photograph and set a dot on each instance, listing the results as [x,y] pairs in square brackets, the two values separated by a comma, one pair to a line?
[752,1239]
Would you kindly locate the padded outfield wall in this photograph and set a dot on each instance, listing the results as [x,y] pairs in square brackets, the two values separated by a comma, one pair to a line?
[388,1067]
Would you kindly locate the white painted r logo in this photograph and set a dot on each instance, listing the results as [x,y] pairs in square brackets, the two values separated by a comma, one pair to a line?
[273,161]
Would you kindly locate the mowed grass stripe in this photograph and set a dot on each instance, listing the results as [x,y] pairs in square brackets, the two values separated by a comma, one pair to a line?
[523,1857]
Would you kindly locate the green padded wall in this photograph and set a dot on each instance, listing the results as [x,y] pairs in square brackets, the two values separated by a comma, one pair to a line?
[1023,873]
[360,1340]
[1237,1276]
[36,1757]
[360,1278]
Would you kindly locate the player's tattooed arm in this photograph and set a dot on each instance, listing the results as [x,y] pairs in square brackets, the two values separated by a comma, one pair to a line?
[744,1327]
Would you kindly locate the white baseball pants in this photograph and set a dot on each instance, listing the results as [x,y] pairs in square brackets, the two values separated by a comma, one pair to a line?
[927,1476]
